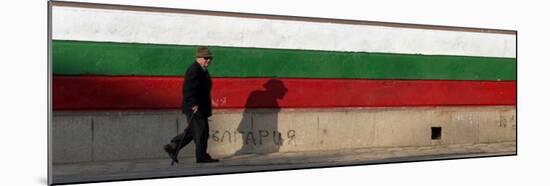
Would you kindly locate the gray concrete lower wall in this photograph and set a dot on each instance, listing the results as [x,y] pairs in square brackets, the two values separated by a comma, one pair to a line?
[110,136]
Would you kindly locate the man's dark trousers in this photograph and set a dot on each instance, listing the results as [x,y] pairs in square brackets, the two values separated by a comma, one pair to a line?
[198,131]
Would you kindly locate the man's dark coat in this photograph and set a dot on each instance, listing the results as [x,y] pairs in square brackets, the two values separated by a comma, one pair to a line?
[196,91]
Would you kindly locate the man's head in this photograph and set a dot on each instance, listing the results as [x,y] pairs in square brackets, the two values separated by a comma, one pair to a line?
[204,56]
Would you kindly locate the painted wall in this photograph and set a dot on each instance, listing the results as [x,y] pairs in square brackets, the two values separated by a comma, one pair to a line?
[279,85]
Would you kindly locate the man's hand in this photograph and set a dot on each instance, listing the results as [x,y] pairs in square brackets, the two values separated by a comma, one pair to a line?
[195,108]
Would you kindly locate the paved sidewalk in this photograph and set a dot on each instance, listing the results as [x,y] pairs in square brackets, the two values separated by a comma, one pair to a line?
[122,170]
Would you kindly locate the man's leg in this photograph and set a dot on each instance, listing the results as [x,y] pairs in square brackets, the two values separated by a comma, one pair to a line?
[201,142]
[179,141]
[185,137]
[205,136]
[199,131]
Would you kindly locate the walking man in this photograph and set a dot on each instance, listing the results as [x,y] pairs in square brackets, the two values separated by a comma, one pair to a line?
[197,107]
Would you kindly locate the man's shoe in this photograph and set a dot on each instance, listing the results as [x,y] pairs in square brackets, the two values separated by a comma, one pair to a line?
[171,150]
[209,160]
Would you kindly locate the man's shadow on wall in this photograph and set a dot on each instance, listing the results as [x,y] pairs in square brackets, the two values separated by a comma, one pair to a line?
[259,124]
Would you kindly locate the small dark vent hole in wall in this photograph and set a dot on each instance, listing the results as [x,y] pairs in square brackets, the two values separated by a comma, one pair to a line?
[436,133]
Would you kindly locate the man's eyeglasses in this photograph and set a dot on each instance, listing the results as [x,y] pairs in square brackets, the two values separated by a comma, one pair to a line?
[208,58]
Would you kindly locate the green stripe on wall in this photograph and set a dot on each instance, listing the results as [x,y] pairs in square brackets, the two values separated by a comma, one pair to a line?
[101,58]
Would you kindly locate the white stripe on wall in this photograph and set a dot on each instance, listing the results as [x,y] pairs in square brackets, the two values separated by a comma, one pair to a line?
[86,24]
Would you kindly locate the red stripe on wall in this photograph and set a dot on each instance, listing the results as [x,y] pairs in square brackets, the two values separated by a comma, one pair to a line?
[129,93]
